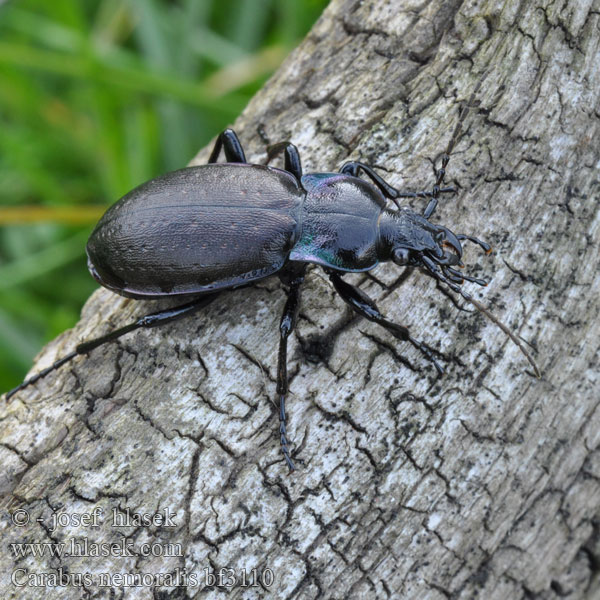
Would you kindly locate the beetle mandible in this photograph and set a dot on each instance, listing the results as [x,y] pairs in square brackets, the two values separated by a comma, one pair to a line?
[229,224]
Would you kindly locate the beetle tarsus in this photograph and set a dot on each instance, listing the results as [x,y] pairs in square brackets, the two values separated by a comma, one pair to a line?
[441,172]
[59,363]
[283,434]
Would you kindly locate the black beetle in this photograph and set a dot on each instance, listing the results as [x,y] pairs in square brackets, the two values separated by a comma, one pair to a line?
[200,230]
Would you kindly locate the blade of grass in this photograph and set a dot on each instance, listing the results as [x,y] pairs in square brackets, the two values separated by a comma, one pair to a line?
[46,31]
[22,347]
[215,48]
[138,80]
[249,22]
[30,267]
[247,70]
[161,52]
[112,23]
[65,215]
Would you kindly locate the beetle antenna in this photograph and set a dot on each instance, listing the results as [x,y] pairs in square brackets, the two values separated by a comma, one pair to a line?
[492,317]
[434,271]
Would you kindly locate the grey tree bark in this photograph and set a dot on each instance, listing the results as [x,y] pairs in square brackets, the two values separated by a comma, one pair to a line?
[483,483]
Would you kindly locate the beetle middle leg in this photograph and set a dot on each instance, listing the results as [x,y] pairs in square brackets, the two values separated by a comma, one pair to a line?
[292,162]
[293,277]
[152,320]
[230,143]
[365,307]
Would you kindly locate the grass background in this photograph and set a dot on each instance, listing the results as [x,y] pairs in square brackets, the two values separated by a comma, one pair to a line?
[95,98]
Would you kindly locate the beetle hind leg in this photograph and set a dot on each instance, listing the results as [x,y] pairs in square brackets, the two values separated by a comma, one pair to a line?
[59,363]
[365,307]
[151,320]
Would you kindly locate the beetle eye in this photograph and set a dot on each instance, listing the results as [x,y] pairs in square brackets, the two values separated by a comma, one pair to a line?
[401,256]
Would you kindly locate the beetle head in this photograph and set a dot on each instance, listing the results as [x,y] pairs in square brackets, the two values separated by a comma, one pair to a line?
[409,239]
[435,242]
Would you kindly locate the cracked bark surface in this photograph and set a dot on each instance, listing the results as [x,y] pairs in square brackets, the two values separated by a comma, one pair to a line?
[484,483]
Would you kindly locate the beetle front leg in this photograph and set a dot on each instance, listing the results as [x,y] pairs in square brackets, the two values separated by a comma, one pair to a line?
[230,143]
[294,278]
[354,167]
[365,307]
[151,320]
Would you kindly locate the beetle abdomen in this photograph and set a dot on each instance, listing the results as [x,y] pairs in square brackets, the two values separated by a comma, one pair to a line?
[197,229]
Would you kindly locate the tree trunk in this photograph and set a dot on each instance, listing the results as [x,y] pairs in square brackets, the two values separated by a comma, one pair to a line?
[482,483]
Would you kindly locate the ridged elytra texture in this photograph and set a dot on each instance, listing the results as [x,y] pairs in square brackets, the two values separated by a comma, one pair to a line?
[197,229]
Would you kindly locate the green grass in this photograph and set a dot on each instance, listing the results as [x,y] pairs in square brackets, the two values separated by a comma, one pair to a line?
[96,97]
